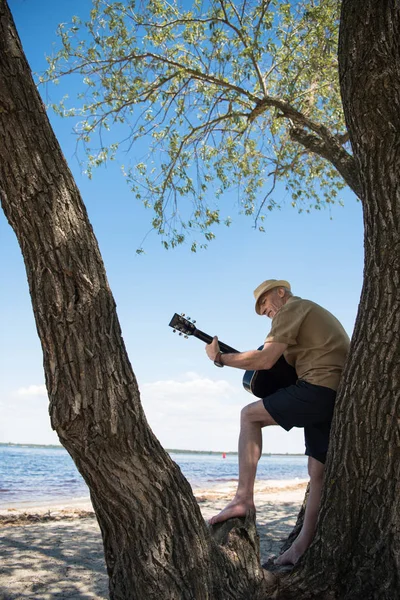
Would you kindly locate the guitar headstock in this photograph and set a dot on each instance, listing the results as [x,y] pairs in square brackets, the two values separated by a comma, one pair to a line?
[182,324]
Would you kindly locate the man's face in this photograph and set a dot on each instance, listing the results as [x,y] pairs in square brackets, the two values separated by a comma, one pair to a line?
[271,302]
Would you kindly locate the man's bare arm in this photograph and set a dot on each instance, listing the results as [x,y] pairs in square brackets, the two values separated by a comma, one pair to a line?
[252,360]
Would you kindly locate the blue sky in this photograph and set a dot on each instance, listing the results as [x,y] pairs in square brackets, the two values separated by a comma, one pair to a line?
[189,402]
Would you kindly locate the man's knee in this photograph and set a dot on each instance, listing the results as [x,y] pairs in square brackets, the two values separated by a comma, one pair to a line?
[256,413]
[246,413]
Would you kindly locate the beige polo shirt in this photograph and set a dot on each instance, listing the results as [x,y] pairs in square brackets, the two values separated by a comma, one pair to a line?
[317,342]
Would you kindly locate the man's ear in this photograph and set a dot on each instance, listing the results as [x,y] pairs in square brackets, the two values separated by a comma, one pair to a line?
[281,292]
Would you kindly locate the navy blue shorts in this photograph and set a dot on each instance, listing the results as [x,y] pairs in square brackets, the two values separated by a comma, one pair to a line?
[305,405]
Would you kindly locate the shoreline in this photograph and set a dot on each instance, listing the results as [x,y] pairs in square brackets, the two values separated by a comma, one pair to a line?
[51,550]
[213,488]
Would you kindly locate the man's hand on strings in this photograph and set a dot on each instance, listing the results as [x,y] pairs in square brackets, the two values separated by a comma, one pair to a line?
[213,349]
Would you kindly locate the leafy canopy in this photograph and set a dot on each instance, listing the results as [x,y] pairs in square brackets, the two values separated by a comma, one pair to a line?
[223,95]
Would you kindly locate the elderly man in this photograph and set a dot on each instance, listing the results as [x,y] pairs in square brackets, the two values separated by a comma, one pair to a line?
[314,342]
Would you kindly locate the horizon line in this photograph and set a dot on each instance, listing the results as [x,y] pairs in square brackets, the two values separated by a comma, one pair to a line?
[169,450]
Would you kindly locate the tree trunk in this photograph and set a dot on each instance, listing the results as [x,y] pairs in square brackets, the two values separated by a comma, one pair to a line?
[156,542]
[356,553]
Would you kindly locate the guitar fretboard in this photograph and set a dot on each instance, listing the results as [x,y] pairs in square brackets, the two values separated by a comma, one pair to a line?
[204,337]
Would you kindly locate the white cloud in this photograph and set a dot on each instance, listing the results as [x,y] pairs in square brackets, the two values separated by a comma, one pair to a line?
[31,390]
[193,412]
[191,395]
[192,386]
[189,412]
[197,413]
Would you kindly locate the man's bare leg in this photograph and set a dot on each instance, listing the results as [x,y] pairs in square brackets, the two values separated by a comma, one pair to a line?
[306,535]
[253,418]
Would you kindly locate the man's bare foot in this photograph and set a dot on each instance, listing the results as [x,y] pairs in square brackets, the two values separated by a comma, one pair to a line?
[235,508]
[291,556]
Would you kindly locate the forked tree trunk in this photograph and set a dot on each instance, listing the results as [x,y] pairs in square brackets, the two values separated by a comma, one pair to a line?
[356,554]
[156,542]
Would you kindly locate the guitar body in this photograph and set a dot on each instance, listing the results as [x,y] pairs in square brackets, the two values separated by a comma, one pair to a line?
[265,382]
[259,383]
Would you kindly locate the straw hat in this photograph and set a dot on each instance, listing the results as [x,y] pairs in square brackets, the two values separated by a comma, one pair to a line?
[266,286]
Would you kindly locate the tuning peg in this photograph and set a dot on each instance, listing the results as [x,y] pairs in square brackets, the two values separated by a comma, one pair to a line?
[186,337]
[188,318]
[180,333]
[174,331]
[182,314]
[194,322]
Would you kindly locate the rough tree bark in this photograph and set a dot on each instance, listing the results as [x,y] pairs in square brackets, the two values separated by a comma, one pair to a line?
[356,553]
[155,540]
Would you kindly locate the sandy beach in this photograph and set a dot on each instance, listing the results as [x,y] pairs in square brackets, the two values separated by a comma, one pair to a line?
[55,550]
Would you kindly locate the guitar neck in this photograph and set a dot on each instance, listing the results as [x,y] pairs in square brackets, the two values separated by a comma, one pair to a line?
[204,337]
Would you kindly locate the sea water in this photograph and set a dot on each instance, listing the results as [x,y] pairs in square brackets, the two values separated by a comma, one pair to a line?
[48,474]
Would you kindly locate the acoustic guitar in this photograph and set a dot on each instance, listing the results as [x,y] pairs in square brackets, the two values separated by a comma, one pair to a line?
[259,383]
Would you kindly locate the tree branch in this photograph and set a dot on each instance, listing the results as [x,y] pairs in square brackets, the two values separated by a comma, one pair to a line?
[325,144]
[240,35]
[332,150]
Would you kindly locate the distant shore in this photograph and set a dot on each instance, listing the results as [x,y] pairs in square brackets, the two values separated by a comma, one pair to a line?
[53,550]
[169,450]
